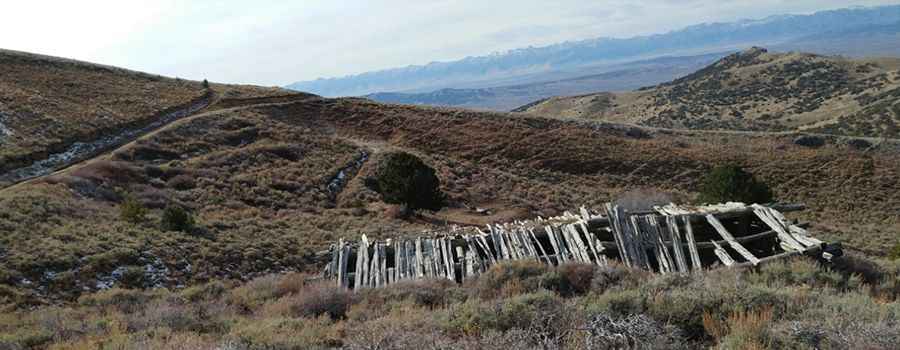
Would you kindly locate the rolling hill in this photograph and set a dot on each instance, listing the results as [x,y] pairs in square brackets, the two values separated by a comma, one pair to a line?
[54,111]
[755,90]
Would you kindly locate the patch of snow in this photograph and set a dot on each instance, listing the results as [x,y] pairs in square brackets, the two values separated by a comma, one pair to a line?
[337,183]
[107,282]
[83,150]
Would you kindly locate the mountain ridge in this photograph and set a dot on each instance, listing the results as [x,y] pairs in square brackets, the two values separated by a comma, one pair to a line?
[438,75]
[758,90]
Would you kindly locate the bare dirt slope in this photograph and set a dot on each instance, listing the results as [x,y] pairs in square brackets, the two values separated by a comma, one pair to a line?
[760,91]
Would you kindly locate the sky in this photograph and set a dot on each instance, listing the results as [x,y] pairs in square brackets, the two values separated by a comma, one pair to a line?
[279,42]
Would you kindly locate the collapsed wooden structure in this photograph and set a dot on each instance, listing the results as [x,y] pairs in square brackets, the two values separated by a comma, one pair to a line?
[667,239]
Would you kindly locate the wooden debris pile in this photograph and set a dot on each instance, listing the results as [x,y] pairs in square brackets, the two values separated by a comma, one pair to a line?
[667,239]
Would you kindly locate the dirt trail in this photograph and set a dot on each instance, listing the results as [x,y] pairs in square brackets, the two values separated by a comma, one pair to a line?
[83,153]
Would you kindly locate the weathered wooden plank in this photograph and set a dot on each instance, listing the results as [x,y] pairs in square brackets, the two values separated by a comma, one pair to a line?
[692,244]
[343,277]
[362,264]
[663,249]
[560,258]
[723,255]
[802,236]
[564,250]
[375,268]
[481,239]
[640,241]
[420,259]
[579,243]
[618,234]
[786,238]
[677,248]
[450,263]
[716,224]
[543,252]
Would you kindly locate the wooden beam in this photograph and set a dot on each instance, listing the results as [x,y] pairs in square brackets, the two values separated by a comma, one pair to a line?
[730,239]
[723,255]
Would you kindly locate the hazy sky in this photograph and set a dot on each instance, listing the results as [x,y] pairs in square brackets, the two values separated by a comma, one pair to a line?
[279,42]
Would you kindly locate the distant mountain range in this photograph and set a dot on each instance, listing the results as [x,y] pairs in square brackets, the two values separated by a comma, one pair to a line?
[844,31]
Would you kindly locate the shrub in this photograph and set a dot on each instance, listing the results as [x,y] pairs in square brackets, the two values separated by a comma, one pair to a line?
[205,84]
[511,278]
[616,275]
[314,300]
[403,178]
[895,252]
[731,183]
[570,279]
[132,210]
[182,182]
[176,218]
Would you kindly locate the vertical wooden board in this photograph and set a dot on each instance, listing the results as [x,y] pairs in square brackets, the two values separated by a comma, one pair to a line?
[345,259]
[654,230]
[692,244]
[677,248]
[471,247]
[615,224]
[731,241]
[589,241]
[496,244]
[383,265]
[567,241]
[637,242]
[503,246]
[420,259]
[448,260]
[525,235]
[571,243]
[557,233]
[582,247]
[481,239]
[543,252]
[362,264]
[373,266]
[438,267]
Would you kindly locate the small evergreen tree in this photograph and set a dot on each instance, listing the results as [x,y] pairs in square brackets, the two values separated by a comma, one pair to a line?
[205,84]
[403,178]
[176,218]
[730,183]
[132,210]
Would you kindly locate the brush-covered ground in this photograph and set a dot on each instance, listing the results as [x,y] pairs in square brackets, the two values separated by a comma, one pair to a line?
[524,305]
[49,103]
[756,90]
[257,179]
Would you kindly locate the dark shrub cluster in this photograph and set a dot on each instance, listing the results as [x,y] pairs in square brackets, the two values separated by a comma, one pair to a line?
[403,178]
[731,183]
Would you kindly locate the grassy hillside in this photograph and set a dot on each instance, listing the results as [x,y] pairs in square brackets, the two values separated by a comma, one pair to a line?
[257,179]
[759,91]
[49,103]
[257,170]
